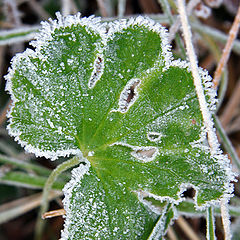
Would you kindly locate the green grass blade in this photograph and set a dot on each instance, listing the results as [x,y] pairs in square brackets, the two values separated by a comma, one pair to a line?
[21,179]
[210,224]
[18,35]
[25,165]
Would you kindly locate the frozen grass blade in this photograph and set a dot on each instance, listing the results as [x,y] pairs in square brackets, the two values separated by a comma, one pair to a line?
[8,37]
[166,8]
[187,208]
[25,165]
[226,220]
[175,27]
[20,179]
[212,139]
[121,8]
[210,224]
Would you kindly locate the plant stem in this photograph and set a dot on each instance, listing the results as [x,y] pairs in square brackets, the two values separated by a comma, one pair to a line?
[48,185]
[227,49]
[215,34]
[212,138]
[25,180]
[102,8]
[187,208]
[171,234]
[231,106]
[66,7]
[175,27]
[210,224]
[222,89]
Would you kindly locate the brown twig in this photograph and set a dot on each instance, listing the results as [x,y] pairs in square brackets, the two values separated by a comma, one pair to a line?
[3,114]
[54,213]
[171,234]
[102,8]
[2,51]
[15,208]
[227,49]
[187,228]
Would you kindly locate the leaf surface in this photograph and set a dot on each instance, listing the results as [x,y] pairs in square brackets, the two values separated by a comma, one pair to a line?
[119,99]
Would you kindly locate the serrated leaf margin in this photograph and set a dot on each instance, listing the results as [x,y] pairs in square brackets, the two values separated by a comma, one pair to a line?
[94,23]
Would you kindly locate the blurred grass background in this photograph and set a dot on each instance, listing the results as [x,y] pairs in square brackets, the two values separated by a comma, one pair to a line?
[22,176]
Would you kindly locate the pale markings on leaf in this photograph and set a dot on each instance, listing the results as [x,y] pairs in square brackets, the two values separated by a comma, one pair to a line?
[145,154]
[145,160]
[129,95]
[154,136]
[97,71]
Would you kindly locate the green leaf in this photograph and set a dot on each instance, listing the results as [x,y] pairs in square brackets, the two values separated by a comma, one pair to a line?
[164,221]
[103,210]
[113,93]
[210,224]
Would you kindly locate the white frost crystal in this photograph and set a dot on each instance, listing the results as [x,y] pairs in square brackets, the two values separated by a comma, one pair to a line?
[96,89]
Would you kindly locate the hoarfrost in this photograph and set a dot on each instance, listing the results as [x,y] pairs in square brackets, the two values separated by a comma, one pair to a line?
[94,213]
[129,95]
[97,71]
[154,136]
[145,154]
[65,105]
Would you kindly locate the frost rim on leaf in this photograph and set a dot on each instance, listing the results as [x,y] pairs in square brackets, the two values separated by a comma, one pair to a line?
[77,175]
[95,24]
[41,39]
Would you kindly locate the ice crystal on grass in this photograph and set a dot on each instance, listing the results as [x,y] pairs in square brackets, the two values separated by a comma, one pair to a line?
[113,93]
